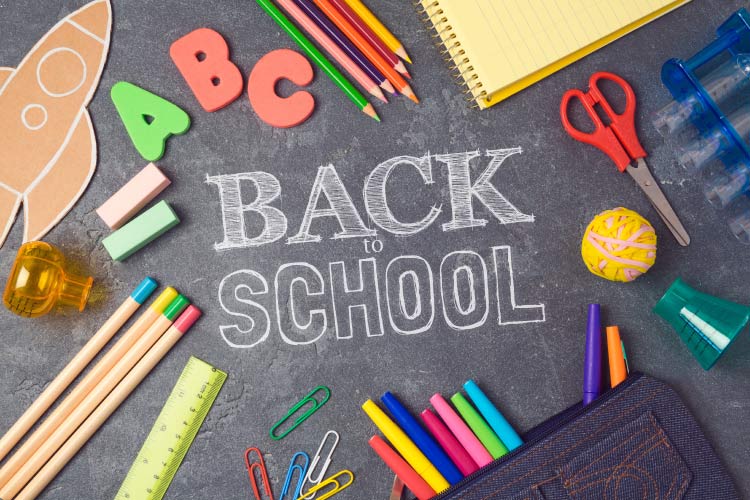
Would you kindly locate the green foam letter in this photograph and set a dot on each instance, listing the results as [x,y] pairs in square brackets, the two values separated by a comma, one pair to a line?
[149,119]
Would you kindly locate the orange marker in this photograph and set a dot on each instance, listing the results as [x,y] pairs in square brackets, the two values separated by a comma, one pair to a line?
[617,370]
[363,45]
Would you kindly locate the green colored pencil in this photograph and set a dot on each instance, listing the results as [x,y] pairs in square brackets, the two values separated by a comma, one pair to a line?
[314,54]
[477,424]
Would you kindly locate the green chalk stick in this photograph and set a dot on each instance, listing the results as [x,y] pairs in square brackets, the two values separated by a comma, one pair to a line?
[141,231]
[477,424]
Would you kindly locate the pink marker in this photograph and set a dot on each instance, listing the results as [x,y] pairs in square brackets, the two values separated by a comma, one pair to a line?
[462,432]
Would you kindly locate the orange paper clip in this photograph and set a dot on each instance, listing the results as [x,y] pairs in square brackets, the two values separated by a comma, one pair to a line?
[259,464]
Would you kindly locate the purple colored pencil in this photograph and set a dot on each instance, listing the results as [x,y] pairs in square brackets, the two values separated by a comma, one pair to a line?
[342,41]
[592,357]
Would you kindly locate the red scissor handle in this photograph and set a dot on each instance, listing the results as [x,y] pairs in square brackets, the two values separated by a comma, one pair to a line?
[618,139]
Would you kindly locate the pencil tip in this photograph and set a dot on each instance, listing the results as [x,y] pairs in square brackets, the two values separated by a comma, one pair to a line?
[370,111]
[413,98]
[402,69]
[401,52]
[388,87]
[408,92]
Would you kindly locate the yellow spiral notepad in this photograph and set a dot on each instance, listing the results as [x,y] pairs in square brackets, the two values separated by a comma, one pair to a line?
[499,47]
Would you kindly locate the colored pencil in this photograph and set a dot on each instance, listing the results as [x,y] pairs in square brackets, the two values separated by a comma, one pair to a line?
[371,37]
[334,50]
[359,41]
[85,386]
[76,366]
[113,401]
[379,28]
[92,400]
[336,35]
[313,53]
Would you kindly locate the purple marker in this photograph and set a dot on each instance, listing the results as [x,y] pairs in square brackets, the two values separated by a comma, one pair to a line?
[342,41]
[592,358]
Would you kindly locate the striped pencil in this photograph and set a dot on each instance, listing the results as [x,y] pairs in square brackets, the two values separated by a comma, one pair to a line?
[373,39]
[324,64]
[334,50]
[379,28]
[359,41]
[337,36]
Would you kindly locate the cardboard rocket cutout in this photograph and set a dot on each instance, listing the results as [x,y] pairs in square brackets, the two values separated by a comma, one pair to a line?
[47,143]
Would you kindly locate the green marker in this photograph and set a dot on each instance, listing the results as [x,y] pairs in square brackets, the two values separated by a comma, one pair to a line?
[477,424]
[314,54]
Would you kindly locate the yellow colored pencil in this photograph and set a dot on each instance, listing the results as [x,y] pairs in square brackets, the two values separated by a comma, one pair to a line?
[379,28]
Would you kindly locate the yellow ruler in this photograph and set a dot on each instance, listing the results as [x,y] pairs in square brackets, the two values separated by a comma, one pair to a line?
[173,432]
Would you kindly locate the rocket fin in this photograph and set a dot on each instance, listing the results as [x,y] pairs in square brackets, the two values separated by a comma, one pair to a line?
[4,75]
[52,196]
[9,202]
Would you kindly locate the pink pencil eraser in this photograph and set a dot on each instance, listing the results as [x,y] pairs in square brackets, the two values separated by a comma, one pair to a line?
[133,196]
[188,317]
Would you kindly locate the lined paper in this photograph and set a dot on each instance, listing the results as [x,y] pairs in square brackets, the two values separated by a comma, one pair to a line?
[513,43]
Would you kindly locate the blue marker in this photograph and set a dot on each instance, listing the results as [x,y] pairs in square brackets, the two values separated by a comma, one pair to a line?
[492,415]
[422,439]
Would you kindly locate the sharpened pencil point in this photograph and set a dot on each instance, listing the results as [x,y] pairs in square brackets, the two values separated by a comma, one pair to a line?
[401,52]
[402,69]
[408,92]
[370,111]
[388,86]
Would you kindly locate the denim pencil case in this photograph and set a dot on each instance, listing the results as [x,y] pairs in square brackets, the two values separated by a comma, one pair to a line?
[636,441]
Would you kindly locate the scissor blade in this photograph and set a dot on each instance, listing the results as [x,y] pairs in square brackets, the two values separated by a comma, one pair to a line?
[642,176]
[397,492]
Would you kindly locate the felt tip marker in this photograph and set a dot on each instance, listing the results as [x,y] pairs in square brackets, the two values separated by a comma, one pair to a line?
[477,424]
[421,438]
[492,415]
[403,471]
[617,370]
[592,361]
[450,444]
[458,427]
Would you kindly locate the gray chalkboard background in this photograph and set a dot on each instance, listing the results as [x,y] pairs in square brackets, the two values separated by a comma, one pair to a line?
[531,370]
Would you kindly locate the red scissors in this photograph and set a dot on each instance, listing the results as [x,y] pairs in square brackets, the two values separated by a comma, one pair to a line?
[619,141]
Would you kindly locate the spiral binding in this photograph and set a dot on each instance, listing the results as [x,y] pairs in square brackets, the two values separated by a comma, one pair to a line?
[450,49]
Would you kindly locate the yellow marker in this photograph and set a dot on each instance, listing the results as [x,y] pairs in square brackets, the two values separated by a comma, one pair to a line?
[405,447]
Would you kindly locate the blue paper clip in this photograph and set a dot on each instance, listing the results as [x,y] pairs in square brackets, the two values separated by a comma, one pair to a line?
[290,474]
[317,461]
[337,488]
[307,414]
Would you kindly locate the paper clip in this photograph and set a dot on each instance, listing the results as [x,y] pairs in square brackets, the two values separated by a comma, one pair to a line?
[316,461]
[290,473]
[338,486]
[307,399]
[260,464]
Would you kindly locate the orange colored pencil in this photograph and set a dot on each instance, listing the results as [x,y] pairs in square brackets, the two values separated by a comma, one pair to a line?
[359,41]
[370,36]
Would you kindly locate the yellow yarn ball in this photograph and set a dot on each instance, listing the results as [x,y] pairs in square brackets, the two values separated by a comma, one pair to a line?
[619,245]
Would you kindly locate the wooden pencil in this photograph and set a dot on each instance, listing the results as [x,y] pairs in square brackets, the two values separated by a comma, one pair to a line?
[76,365]
[79,392]
[313,53]
[346,45]
[62,432]
[359,41]
[379,28]
[110,404]
[333,49]
[373,39]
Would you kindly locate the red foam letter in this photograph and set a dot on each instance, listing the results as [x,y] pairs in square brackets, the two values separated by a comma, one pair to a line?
[202,57]
[281,112]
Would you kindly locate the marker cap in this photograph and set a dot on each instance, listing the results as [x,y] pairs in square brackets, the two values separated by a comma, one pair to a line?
[164,299]
[144,290]
[187,318]
[175,307]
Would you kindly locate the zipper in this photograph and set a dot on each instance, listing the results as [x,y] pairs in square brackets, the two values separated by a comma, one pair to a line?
[540,432]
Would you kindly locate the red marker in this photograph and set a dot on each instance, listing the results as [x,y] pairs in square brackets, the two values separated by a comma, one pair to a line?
[449,443]
[398,465]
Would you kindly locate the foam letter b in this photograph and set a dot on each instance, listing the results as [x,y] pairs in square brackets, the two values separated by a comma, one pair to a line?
[202,57]
[149,119]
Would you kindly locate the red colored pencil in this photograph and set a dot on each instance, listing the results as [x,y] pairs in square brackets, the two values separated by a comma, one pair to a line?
[359,41]
[370,36]
[403,470]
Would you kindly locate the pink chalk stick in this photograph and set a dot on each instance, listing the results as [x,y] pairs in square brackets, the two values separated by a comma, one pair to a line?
[133,196]
[462,432]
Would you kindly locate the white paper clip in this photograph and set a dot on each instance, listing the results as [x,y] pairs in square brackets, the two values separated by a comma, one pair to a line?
[312,478]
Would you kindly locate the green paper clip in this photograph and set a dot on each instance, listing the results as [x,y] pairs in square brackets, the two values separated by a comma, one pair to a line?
[307,399]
